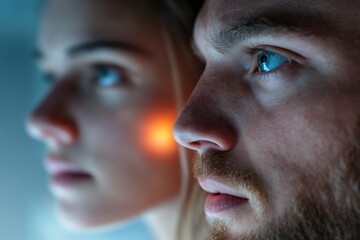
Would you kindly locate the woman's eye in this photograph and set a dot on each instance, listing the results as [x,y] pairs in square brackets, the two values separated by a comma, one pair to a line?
[268,61]
[108,77]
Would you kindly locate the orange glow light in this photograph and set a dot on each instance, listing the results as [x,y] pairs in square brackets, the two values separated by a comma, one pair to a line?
[158,136]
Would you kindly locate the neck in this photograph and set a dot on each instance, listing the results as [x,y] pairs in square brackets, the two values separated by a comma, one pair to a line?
[163,220]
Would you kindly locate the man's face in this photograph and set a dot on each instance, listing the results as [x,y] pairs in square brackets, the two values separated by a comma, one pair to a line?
[275,118]
[108,116]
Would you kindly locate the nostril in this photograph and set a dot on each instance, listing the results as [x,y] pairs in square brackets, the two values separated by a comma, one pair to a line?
[54,130]
[57,135]
[201,129]
[200,136]
[195,144]
[203,145]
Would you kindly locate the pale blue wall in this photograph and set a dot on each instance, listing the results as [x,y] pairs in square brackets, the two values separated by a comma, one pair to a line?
[19,169]
[25,205]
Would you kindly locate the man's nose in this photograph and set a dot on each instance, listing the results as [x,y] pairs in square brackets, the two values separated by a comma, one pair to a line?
[204,124]
[51,121]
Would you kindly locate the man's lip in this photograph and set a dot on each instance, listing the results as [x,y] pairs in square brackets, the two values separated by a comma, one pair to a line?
[221,196]
[217,203]
[214,186]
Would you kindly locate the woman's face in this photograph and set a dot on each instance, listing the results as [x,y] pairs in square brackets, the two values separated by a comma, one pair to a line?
[107,117]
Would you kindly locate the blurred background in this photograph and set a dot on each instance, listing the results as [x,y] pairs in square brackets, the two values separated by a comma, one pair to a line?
[26,207]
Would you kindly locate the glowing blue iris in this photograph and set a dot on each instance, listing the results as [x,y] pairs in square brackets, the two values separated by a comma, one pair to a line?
[107,77]
[268,61]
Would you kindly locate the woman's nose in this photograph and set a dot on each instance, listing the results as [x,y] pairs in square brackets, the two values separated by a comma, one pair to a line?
[51,121]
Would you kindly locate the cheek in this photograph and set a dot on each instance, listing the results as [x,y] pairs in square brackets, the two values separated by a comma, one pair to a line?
[291,143]
[305,133]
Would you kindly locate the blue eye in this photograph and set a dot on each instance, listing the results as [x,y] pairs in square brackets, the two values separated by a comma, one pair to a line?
[268,61]
[108,77]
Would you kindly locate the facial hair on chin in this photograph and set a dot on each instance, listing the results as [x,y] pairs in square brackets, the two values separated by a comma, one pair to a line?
[329,209]
[224,168]
[323,213]
[221,166]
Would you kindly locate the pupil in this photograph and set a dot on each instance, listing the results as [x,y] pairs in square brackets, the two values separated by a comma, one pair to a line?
[263,58]
[104,73]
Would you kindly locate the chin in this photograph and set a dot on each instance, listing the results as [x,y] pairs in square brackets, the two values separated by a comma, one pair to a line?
[75,224]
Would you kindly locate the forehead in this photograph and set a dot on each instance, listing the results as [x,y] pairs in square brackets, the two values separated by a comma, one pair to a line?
[324,17]
[68,22]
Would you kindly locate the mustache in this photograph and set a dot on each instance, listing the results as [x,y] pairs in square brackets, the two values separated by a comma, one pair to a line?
[229,171]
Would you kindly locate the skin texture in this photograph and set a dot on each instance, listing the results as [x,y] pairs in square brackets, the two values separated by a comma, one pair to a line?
[287,140]
[110,132]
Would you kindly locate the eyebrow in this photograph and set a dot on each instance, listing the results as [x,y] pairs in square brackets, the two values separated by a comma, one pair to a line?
[229,36]
[93,46]
[100,45]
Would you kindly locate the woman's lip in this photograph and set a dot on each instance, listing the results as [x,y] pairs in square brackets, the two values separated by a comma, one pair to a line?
[68,178]
[58,166]
[216,203]
[64,172]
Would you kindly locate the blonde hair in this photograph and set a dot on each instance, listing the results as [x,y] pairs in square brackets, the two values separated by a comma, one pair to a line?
[191,223]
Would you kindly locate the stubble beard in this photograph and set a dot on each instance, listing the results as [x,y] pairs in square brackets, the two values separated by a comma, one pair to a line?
[328,209]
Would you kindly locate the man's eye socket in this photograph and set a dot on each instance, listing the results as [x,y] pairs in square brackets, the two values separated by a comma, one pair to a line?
[268,61]
[108,77]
